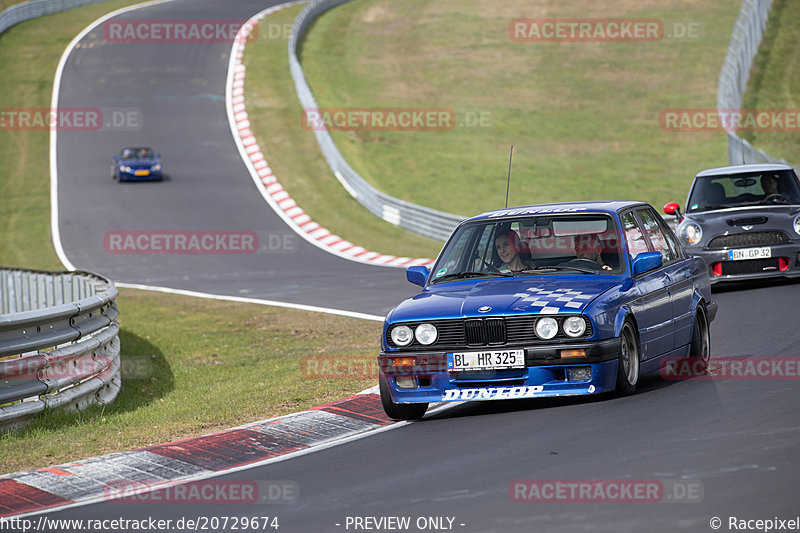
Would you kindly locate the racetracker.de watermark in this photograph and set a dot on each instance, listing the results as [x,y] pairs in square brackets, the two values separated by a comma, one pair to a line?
[176,31]
[585,30]
[70,119]
[202,492]
[338,367]
[605,491]
[731,368]
[730,120]
[199,242]
[392,119]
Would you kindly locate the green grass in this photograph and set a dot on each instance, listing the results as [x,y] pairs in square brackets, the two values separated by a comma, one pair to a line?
[583,117]
[775,79]
[294,156]
[192,366]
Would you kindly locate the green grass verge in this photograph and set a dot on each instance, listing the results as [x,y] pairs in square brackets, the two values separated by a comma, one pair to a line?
[191,366]
[293,153]
[583,117]
[775,79]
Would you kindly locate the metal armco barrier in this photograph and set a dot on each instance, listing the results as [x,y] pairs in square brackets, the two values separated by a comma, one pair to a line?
[37,8]
[59,342]
[745,40]
[419,219]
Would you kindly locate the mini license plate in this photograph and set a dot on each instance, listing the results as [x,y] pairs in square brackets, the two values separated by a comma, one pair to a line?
[486,360]
[750,253]
[142,173]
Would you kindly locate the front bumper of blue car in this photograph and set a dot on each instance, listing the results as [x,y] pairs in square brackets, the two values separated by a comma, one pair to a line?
[552,370]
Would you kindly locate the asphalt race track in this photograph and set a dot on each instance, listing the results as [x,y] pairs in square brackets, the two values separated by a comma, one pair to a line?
[177,91]
[738,440]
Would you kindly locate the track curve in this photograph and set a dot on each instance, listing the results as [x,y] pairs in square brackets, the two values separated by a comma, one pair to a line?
[178,91]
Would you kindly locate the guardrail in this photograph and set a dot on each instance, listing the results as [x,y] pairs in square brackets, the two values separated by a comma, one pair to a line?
[59,342]
[419,219]
[37,8]
[745,40]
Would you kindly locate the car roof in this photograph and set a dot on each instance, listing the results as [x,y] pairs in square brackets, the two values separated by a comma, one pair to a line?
[604,206]
[743,169]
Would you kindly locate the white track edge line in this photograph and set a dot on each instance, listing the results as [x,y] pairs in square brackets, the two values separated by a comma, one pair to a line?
[257,301]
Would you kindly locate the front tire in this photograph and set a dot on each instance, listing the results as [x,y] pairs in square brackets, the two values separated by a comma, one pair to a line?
[399,411]
[700,350]
[628,362]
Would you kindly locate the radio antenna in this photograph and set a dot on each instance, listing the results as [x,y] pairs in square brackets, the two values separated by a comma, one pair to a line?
[742,149]
[508,180]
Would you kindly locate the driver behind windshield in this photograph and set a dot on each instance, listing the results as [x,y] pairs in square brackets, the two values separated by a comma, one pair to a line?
[506,247]
[588,247]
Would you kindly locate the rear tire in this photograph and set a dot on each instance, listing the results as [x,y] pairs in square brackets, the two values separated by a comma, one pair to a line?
[700,350]
[399,411]
[628,362]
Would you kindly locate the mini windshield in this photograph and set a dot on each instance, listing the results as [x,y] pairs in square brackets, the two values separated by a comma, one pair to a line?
[136,153]
[532,245]
[774,187]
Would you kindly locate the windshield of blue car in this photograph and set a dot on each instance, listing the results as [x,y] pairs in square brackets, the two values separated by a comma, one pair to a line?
[774,187]
[136,153]
[532,245]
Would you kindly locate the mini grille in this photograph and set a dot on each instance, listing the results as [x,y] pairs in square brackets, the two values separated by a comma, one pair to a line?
[759,238]
[752,266]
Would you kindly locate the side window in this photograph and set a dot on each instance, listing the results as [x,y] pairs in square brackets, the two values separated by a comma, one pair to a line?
[656,236]
[633,235]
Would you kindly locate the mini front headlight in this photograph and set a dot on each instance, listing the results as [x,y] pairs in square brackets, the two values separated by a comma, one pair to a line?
[546,328]
[402,335]
[125,168]
[691,233]
[574,326]
[426,334]
[796,224]
[156,167]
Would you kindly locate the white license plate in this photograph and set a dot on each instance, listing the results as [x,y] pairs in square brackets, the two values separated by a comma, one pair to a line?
[750,253]
[486,360]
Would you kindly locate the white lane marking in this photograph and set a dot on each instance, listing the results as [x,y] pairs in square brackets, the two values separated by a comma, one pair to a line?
[257,301]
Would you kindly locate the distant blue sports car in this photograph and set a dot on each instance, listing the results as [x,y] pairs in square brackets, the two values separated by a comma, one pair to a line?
[547,300]
[137,164]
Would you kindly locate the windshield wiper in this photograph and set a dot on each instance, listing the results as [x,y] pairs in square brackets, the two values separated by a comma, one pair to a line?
[471,274]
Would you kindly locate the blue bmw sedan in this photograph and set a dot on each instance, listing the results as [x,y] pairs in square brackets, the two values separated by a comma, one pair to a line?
[546,300]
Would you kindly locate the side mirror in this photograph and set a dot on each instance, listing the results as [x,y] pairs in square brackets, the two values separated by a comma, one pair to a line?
[673,208]
[646,261]
[158,156]
[417,275]
[116,158]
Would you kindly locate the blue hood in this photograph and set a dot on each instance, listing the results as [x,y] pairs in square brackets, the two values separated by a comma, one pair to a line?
[513,296]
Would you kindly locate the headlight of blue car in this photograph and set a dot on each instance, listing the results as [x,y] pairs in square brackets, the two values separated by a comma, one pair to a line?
[156,167]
